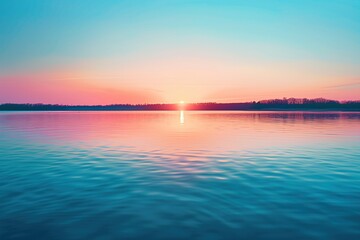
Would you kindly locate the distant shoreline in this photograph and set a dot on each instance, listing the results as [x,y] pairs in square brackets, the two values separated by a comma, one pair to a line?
[290,104]
[213,110]
[190,110]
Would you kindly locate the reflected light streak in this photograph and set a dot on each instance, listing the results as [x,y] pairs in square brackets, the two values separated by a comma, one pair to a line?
[182,117]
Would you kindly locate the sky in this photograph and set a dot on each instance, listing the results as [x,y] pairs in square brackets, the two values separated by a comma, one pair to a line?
[166,51]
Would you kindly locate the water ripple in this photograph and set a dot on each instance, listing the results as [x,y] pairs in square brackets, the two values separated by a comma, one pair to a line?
[216,176]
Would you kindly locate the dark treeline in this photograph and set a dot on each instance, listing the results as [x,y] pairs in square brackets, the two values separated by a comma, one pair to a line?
[285,104]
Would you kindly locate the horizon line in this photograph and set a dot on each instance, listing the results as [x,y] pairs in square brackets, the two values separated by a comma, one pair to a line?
[189,103]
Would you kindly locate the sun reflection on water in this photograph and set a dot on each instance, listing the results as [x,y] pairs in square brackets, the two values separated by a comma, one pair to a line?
[182,117]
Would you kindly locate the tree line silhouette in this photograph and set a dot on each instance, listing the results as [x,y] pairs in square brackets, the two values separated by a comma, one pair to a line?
[286,104]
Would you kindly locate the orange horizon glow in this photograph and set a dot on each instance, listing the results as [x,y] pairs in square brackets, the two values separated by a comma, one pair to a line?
[61,89]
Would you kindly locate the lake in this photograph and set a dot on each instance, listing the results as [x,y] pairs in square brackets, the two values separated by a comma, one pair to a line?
[179,175]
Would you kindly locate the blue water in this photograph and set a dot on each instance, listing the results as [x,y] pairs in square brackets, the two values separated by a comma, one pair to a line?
[171,175]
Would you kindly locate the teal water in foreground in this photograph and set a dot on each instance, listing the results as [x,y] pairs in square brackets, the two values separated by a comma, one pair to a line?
[179,175]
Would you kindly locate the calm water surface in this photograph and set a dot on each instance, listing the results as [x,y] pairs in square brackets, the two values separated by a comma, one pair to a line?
[172,175]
